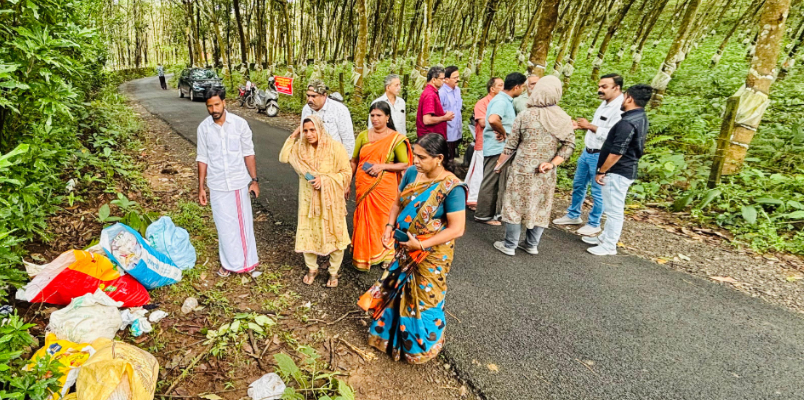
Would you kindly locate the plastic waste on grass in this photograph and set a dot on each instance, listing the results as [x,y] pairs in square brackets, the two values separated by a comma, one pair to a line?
[165,237]
[136,318]
[157,316]
[70,355]
[87,318]
[268,387]
[126,248]
[190,304]
[117,371]
[75,273]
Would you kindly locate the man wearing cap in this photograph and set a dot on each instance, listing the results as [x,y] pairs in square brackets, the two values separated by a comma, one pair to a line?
[336,117]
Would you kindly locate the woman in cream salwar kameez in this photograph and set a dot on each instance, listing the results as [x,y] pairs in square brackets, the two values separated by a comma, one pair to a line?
[324,173]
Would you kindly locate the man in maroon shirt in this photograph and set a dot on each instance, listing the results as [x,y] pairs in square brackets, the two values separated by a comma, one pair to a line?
[430,116]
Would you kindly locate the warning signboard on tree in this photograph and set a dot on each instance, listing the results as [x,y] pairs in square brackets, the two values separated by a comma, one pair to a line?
[284,84]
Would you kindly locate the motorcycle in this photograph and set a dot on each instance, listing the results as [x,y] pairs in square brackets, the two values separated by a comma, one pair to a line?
[268,100]
[247,97]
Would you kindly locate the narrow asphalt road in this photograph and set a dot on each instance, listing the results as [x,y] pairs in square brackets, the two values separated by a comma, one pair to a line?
[566,324]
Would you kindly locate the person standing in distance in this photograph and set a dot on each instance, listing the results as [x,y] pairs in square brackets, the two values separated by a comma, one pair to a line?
[160,71]
[499,121]
[393,86]
[226,163]
[430,115]
[450,95]
[335,116]
[617,167]
[609,89]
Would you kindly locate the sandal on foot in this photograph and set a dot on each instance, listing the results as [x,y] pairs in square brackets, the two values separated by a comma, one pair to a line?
[309,278]
[223,273]
[332,282]
[492,222]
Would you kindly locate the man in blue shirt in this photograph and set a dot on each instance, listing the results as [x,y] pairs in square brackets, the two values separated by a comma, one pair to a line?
[499,121]
[450,95]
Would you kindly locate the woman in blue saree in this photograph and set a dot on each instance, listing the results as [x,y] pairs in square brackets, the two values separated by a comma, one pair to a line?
[407,303]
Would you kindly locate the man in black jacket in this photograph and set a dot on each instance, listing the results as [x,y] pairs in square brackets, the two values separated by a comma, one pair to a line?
[617,166]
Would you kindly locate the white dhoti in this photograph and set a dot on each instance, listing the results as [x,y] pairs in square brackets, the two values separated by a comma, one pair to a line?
[236,244]
[474,177]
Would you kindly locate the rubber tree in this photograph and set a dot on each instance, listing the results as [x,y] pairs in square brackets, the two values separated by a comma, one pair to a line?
[427,22]
[544,32]
[604,45]
[674,56]
[754,96]
[360,51]
[653,19]
[748,15]
[241,34]
[787,65]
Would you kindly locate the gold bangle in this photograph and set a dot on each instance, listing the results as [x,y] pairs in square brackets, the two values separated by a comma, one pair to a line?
[421,245]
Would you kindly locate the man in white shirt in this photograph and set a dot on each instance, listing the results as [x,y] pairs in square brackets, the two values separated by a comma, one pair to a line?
[607,115]
[336,117]
[226,162]
[393,85]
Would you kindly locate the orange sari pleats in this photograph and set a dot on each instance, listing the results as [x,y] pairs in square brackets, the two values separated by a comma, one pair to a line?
[375,196]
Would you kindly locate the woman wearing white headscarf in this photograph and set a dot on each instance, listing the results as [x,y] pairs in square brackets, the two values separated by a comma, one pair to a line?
[542,138]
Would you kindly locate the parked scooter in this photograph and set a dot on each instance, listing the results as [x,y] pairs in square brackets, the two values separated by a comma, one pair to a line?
[268,100]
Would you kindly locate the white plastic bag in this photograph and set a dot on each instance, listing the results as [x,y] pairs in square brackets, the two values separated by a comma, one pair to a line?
[87,318]
[268,387]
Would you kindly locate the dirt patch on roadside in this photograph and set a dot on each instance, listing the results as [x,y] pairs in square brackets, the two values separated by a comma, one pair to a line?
[674,241]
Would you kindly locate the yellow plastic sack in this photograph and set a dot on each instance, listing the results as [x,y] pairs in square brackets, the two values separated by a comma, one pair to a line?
[117,371]
[70,355]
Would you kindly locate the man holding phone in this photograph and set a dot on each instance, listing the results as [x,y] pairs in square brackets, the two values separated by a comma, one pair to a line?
[226,163]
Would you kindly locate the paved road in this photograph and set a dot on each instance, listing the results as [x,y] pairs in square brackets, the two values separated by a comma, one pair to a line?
[568,325]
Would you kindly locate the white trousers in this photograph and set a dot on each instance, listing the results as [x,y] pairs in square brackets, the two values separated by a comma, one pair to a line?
[474,177]
[614,192]
[236,244]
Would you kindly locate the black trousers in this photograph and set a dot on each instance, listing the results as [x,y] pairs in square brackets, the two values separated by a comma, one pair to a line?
[162,82]
[490,196]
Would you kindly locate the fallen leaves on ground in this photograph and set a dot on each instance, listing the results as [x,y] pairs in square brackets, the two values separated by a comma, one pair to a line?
[493,368]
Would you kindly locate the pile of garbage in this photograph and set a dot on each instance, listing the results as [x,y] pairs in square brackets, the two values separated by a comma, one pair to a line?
[105,289]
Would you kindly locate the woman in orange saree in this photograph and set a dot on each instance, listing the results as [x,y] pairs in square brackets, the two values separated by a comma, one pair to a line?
[381,154]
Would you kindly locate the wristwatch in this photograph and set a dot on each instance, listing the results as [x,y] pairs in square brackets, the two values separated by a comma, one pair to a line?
[255,180]
[599,172]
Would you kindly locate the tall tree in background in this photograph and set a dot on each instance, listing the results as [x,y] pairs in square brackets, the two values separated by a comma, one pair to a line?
[754,96]
[243,43]
[427,22]
[360,52]
[674,56]
[544,32]
[604,45]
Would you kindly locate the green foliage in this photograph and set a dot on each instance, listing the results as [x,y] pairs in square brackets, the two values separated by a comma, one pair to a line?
[38,380]
[133,215]
[310,378]
[61,121]
[234,334]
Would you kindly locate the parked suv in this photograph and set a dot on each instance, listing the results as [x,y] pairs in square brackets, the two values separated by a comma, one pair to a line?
[194,82]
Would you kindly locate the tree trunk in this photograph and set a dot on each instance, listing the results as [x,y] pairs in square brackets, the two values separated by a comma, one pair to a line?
[615,24]
[569,66]
[654,19]
[488,17]
[242,35]
[424,54]
[754,96]
[544,33]
[529,31]
[787,65]
[288,32]
[399,26]
[674,56]
[600,28]
[749,13]
[360,52]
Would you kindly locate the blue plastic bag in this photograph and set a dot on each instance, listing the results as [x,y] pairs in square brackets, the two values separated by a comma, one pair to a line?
[126,248]
[166,238]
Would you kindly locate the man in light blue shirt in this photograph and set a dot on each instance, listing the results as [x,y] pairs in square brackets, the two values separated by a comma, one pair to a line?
[500,117]
[450,95]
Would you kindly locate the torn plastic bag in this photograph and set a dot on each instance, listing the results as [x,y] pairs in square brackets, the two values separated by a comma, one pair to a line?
[75,273]
[87,318]
[166,238]
[70,355]
[126,248]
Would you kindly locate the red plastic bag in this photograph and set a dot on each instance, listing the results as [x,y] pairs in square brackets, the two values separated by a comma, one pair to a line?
[76,273]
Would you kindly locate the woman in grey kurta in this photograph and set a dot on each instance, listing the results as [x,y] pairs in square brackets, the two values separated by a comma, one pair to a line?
[542,138]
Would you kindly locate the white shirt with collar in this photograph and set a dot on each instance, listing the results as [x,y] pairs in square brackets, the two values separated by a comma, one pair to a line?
[222,149]
[397,113]
[606,116]
[337,120]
